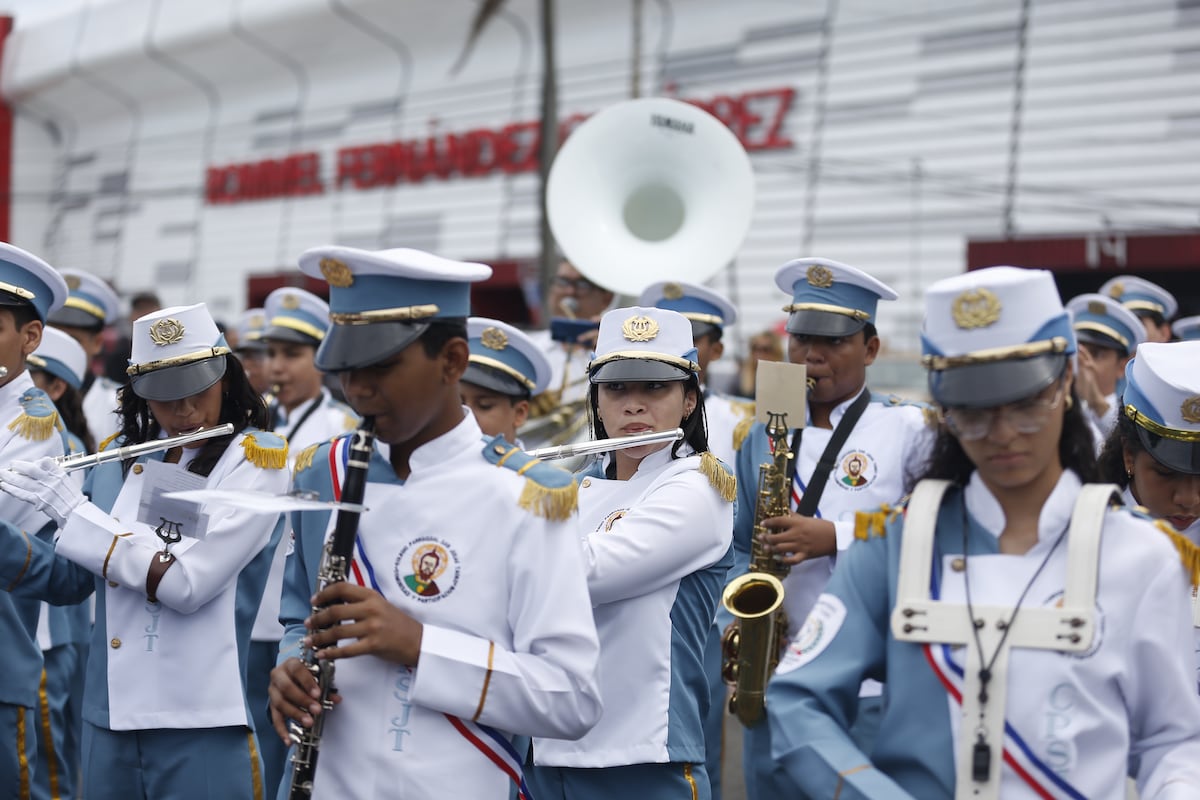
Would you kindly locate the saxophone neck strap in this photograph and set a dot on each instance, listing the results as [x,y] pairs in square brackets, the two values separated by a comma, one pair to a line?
[820,477]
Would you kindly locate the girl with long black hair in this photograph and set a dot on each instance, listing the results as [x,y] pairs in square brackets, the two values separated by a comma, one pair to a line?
[657,523]
[1034,638]
[176,586]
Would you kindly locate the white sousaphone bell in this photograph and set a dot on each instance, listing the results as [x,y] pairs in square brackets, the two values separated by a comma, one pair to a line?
[650,190]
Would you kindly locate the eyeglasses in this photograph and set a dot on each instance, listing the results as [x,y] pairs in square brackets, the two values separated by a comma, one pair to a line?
[1025,416]
[580,285]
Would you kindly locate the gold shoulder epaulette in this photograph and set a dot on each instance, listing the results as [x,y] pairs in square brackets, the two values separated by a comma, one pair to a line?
[265,449]
[107,441]
[874,522]
[742,429]
[719,476]
[39,418]
[304,459]
[549,492]
[1189,553]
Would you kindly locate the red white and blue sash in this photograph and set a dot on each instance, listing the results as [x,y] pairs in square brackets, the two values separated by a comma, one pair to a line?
[494,745]
[1019,757]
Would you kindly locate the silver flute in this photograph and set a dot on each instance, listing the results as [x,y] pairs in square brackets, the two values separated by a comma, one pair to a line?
[69,463]
[605,445]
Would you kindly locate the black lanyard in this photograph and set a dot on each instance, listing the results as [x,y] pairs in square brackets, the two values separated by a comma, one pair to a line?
[303,417]
[820,477]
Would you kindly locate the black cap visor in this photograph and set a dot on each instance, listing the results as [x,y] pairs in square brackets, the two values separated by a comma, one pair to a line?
[705,329]
[279,333]
[1099,339]
[176,383]
[495,380]
[810,322]
[994,383]
[1171,453]
[68,317]
[357,346]
[634,370]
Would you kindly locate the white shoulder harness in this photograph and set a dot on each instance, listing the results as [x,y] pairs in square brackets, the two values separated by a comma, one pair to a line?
[1068,628]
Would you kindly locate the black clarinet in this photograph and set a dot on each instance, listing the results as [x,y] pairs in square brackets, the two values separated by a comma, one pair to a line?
[335,562]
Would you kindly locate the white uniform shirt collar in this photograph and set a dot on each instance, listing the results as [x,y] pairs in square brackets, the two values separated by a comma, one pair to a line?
[11,392]
[286,416]
[1055,514]
[839,410]
[464,435]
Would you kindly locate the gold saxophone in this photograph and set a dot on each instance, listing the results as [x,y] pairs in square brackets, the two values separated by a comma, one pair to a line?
[751,644]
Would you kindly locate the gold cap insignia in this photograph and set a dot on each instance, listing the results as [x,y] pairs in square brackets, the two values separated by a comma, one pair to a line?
[337,273]
[672,291]
[1190,410]
[493,339]
[72,282]
[1116,290]
[290,301]
[257,321]
[975,308]
[1096,307]
[166,331]
[819,276]
[639,329]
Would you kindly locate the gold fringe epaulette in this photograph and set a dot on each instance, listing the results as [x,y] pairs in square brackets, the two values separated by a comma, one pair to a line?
[555,504]
[304,459]
[874,522]
[265,450]
[107,441]
[1189,553]
[718,476]
[39,418]
[741,431]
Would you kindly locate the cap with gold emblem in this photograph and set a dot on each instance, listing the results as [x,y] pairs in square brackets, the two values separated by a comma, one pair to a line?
[643,344]
[709,311]
[61,356]
[177,352]
[1141,296]
[91,303]
[993,336]
[829,298]
[294,315]
[1100,320]
[381,301]
[27,280]
[1186,328]
[1162,397]
[250,327]
[504,359]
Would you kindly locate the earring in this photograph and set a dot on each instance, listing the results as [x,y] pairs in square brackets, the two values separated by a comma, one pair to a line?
[1129,474]
[1070,402]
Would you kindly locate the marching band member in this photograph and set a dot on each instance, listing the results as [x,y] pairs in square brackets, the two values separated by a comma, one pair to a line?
[177,587]
[1152,304]
[1186,328]
[505,370]
[30,290]
[1054,623]
[1108,334]
[870,443]
[467,623]
[657,521]
[305,413]
[1153,453]
[251,350]
[728,418]
[58,367]
[91,305]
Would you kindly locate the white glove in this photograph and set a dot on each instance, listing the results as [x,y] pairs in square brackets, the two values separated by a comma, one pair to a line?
[44,485]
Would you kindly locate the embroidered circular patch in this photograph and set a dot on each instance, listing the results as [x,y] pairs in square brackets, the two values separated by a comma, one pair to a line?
[611,519]
[427,569]
[856,470]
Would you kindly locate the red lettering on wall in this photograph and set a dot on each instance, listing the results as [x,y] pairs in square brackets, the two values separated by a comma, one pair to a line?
[756,118]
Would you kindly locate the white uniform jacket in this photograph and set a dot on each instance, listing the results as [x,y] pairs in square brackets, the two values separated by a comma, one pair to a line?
[303,427]
[19,616]
[657,549]
[100,408]
[723,414]
[890,437]
[177,663]
[1073,720]
[508,647]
